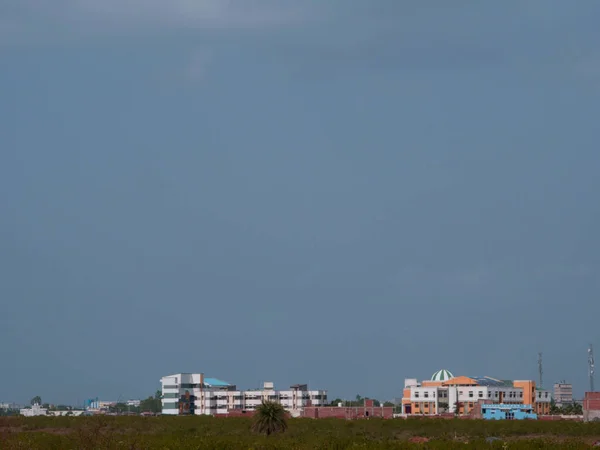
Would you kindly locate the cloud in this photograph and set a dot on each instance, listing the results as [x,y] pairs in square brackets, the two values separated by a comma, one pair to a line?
[60,17]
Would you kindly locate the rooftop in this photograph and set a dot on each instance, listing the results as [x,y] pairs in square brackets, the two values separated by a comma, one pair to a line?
[215,382]
[491,382]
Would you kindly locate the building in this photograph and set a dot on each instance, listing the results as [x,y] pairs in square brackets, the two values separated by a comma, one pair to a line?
[502,411]
[446,393]
[35,410]
[9,406]
[563,393]
[591,407]
[193,393]
[368,410]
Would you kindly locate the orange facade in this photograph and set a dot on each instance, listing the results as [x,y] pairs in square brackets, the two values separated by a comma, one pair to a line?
[528,387]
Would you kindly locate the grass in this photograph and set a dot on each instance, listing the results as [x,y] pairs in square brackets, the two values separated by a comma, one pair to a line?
[174,433]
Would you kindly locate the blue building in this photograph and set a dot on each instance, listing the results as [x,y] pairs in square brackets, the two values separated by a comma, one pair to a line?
[502,411]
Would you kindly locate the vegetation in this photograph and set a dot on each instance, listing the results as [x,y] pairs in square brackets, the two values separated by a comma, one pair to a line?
[186,433]
[571,409]
[269,418]
[358,401]
[37,400]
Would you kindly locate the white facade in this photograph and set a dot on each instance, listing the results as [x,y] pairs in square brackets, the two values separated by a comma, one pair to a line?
[543,396]
[35,410]
[211,396]
[449,395]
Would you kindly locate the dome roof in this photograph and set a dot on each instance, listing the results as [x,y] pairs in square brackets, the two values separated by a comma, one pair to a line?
[442,375]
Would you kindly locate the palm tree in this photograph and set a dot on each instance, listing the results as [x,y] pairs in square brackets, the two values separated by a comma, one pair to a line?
[269,418]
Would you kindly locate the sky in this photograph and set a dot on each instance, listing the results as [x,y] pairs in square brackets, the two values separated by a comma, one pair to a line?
[344,193]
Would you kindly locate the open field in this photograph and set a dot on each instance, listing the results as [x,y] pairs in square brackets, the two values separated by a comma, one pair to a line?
[174,433]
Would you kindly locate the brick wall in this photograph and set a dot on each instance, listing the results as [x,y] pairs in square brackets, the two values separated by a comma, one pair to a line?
[322,412]
[591,406]
[591,401]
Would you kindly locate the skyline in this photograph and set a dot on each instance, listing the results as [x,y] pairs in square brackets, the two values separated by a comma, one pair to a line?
[345,193]
[547,386]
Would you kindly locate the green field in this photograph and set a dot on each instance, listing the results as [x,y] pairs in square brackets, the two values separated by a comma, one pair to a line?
[63,433]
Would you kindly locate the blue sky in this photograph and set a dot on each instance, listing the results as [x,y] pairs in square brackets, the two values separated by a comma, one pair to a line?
[344,193]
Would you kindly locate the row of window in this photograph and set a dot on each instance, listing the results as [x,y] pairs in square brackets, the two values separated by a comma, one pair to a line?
[480,394]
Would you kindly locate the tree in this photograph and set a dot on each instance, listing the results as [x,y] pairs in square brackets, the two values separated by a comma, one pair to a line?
[388,404]
[152,404]
[457,406]
[269,418]
[37,400]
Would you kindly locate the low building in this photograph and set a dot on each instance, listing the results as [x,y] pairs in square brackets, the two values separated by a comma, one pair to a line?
[446,393]
[368,410]
[187,393]
[35,410]
[502,411]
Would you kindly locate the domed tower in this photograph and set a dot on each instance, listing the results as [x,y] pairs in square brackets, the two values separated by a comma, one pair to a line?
[442,375]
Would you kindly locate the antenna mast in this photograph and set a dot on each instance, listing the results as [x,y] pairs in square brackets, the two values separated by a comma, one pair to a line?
[540,370]
[591,367]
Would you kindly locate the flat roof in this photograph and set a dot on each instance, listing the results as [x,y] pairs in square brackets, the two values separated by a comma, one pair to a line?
[216,382]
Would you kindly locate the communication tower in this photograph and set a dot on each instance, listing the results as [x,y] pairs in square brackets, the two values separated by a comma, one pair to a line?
[591,367]
[540,370]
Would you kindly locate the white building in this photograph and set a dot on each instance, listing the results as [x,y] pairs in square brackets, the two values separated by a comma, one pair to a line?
[192,393]
[35,410]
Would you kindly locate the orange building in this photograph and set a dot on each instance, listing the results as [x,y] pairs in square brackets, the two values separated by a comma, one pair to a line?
[445,393]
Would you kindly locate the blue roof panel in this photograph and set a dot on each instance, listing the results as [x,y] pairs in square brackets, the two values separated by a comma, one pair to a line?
[216,382]
[488,381]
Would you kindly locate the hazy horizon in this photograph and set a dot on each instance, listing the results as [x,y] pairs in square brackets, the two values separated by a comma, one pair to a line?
[342,193]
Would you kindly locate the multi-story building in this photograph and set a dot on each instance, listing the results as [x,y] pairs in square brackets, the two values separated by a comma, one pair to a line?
[563,393]
[445,393]
[193,393]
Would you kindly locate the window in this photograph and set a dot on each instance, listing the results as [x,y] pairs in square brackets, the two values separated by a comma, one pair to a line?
[546,395]
[416,395]
[480,394]
[496,394]
[471,394]
[426,394]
